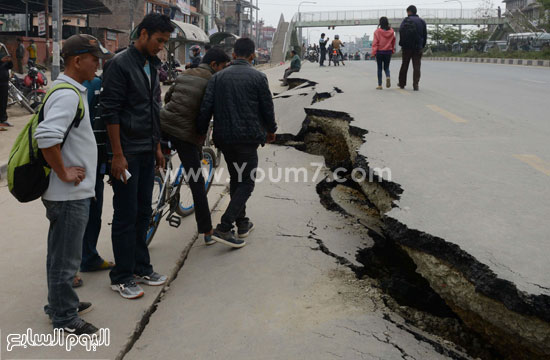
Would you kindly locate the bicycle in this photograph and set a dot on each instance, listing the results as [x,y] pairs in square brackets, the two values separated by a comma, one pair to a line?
[168,200]
[209,142]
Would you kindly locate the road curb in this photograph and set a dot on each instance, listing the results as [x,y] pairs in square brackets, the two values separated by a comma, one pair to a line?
[521,62]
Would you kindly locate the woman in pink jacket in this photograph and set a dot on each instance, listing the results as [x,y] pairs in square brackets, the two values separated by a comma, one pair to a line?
[383,48]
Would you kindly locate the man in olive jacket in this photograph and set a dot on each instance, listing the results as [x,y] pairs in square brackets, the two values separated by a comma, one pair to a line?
[178,120]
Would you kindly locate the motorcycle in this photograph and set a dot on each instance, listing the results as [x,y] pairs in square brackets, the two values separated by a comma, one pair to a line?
[167,74]
[32,85]
[15,96]
[312,56]
[336,57]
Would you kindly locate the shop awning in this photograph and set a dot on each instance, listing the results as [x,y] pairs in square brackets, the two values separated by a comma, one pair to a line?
[218,37]
[185,33]
[69,7]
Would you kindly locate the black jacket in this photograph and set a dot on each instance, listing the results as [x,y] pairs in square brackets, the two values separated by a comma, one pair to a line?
[421,31]
[242,105]
[131,100]
[5,71]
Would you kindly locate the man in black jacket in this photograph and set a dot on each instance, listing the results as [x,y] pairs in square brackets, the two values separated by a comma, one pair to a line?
[242,105]
[414,35]
[130,107]
[5,65]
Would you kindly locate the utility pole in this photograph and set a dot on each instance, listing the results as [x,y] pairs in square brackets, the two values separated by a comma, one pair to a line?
[47,11]
[26,18]
[57,28]
[257,24]
[131,5]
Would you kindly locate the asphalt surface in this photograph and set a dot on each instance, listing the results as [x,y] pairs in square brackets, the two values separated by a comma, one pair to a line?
[470,150]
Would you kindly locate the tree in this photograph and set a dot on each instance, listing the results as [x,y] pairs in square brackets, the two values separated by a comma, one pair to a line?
[545,4]
[477,38]
[451,35]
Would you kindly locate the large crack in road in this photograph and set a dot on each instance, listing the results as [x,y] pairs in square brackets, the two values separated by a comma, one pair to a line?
[433,284]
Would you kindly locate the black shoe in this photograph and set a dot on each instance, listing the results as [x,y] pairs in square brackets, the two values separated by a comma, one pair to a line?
[416,88]
[228,238]
[79,327]
[401,86]
[84,307]
[245,230]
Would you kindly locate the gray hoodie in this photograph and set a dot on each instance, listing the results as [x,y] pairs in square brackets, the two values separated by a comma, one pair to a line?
[80,148]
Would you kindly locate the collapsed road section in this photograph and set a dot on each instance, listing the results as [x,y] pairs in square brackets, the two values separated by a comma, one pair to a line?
[471,305]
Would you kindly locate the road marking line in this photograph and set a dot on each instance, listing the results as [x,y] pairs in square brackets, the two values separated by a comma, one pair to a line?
[404,92]
[535,81]
[447,114]
[535,162]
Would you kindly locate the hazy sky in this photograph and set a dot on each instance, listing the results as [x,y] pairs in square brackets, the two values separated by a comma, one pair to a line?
[270,11]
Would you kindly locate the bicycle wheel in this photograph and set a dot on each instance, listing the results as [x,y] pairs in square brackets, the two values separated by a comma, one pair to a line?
[186,204]
[155,218]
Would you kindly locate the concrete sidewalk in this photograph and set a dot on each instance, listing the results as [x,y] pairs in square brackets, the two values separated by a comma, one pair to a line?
[23,232]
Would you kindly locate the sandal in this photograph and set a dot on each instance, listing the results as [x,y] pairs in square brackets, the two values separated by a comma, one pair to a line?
[105,265]
[77,281]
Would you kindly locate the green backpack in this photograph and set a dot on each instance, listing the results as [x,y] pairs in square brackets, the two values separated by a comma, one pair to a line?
[28,172]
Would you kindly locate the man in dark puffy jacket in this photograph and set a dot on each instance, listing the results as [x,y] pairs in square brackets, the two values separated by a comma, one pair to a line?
[178,119]
[130,106]
[413,37]
[242,105]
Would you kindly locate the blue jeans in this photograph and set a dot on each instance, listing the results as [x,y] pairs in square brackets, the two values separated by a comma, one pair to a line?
[68,220]
[240,187]
[383,61]
[90,256]
[132,206]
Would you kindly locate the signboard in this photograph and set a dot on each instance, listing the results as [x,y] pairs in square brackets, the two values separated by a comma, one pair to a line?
[184,6]
[41,23]
[111,35]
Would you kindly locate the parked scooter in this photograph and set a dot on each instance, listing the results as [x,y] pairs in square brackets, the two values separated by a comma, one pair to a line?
[33,84]
[15,96]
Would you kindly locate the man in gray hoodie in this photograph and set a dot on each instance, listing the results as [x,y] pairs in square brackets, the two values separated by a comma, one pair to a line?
[68,146]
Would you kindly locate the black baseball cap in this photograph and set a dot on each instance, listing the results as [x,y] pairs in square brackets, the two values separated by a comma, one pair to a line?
[82,44]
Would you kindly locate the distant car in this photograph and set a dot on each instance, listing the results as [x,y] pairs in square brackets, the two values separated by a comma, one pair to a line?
[501,45]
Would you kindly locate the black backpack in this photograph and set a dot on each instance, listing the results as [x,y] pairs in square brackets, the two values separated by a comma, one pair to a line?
[409,34]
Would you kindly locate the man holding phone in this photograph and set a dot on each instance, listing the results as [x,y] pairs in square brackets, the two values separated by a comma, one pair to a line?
[130,106]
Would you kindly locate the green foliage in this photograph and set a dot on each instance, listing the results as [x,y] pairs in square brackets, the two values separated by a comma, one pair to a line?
[545,4]
[446,35]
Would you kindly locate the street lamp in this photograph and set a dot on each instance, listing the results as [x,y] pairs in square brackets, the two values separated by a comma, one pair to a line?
[458,1]
[460,25]
[300,17]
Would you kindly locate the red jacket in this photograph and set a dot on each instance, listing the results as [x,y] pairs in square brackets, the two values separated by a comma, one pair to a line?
[384,40]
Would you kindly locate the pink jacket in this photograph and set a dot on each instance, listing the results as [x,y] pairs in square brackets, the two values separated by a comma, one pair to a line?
[384,40]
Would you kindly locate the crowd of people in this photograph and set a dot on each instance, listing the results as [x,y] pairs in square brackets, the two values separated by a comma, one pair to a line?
[129,106]
[414,35]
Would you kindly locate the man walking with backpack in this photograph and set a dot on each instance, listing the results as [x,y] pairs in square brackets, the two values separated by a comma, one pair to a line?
[130,106]
[67,142]
[414,35]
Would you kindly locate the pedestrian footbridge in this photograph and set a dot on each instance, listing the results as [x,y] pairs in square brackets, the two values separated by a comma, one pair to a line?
[395,16]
